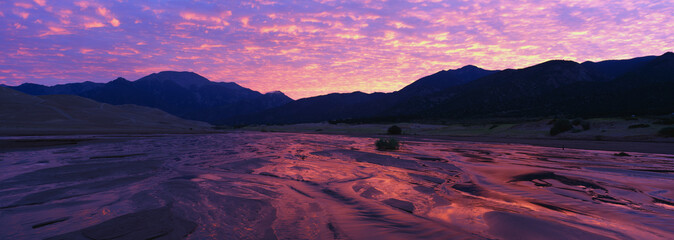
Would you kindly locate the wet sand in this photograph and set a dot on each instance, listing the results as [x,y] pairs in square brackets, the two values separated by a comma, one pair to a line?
[309,186]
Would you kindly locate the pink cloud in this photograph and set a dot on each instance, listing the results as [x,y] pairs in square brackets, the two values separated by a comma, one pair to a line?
[202,17]
[86,51]
[22,14]
[82,4]
[23,5]
[52,30]
[41,3]
[93,25]
[114,22]
[123,51]
[103,11]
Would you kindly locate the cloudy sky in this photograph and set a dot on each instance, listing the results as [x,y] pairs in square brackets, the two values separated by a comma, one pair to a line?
[307,48]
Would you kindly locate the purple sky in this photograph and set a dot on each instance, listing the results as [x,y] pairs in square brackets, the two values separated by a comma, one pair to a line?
[306,48]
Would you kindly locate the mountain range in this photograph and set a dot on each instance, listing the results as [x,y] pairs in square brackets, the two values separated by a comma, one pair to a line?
[643,85]
[359,105]
[556,88]
[560,88]
[184,94]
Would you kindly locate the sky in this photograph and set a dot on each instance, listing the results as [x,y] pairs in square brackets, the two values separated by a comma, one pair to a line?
[314,47]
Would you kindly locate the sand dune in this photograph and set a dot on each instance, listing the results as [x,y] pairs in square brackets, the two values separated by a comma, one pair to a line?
[22,114]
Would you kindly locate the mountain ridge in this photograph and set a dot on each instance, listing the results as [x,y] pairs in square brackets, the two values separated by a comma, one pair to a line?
[184,94]
[550,88]
[524,92]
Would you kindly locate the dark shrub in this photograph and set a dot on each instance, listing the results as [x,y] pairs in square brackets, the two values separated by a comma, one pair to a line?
[576,121]
[394,130]
[387,144]
[665,121]
[666,132]
[560,126]
[621,154]
[585,125]
[639,126]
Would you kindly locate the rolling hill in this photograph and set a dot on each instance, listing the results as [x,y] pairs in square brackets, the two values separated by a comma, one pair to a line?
[23,114]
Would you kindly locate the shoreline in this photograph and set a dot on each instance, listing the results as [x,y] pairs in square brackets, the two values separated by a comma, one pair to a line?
[611,145]
[36,142]
[609,134]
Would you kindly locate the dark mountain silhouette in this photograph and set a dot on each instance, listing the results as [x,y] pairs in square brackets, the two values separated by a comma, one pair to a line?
[358,105]
[444,79]
[184,79]
[506,93]
[558,88]
[69,88]
[643,85]
[615,68]
[316,109]
[647,89]
[554,88]
[184,94]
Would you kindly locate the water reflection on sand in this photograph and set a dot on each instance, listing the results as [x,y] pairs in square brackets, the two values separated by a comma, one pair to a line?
[299,186]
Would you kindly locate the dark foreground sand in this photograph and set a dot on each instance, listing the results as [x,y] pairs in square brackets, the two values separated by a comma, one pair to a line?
[251,185]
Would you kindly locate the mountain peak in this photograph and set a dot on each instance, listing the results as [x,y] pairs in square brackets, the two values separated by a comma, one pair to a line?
[556,62]
[444,79]
[274,93]
[279,96]
[119,80]
[30,84]
[552,64]
[184,79]
[468,67]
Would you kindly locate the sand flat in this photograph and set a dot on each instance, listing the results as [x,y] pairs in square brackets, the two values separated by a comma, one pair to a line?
[248,185]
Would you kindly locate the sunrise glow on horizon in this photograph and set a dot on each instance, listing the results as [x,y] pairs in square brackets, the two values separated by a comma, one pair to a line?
[308,48]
